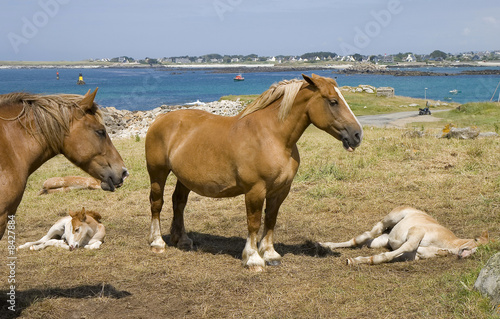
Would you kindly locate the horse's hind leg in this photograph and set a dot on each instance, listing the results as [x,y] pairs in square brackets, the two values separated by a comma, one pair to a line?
[178,235]
[407,251]
[158,177]
[372,238]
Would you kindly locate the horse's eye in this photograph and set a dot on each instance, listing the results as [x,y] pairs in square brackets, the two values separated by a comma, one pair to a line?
[101,133]
[333,102]
[77,230]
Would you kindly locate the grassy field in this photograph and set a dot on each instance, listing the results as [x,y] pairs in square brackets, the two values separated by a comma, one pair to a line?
[335,195]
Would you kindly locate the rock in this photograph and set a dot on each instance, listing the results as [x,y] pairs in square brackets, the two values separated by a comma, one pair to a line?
[488,134]
[127,124]
[385,91]
[460,133]
[488,281]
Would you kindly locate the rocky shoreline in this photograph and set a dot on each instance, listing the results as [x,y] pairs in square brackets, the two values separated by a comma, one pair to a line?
[122,124]
[369,68]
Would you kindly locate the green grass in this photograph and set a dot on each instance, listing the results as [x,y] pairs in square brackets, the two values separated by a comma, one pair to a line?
[484,115]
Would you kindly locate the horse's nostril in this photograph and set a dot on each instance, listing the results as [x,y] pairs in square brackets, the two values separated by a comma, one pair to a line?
[357,137]
[125,173]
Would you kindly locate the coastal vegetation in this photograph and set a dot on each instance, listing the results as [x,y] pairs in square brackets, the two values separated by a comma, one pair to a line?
[335,194]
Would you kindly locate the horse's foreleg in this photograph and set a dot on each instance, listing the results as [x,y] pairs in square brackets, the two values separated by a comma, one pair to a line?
[266,247]
[158,178]
[251,258]
[3,222]
[51,242]
[178,235]
[96,241]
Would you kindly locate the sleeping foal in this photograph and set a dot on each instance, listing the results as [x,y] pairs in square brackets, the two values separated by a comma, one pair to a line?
[411,234]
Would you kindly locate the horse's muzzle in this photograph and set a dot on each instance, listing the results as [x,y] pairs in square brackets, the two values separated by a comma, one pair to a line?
[112,182]
[351,141]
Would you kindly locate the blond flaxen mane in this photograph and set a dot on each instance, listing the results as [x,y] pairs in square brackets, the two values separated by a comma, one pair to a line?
[47,117]
[287,89]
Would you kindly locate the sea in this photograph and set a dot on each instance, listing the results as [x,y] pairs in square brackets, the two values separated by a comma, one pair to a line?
[148,88]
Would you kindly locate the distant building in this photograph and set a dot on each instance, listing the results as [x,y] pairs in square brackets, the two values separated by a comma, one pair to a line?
[411,58]
[182,60]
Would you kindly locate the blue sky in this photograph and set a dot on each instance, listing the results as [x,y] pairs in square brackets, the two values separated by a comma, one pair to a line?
[54,30]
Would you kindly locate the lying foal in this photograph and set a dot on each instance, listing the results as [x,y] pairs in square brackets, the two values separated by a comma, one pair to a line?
[67,183]
[411,234]
[79,229]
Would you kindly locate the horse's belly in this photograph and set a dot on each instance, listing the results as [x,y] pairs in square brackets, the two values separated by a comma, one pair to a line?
[212,189]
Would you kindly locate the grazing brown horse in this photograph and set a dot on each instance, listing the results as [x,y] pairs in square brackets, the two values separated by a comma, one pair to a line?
[35,128]
[253,153]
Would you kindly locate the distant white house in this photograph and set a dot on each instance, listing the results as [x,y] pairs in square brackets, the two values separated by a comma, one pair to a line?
[411,58]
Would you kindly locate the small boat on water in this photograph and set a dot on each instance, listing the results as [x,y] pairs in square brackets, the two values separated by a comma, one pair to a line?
[80,80]
[239,77]
[455,91]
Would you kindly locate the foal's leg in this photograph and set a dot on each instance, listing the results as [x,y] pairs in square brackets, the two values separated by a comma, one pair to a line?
[51,242]
[254,201]
[266,247]
[409,248]
[158,177]
[178,235]
[56,231]
[370,237]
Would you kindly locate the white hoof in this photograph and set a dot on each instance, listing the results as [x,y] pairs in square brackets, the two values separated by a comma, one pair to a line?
[158,245]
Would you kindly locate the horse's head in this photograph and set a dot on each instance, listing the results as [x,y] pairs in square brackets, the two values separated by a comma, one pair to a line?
[80,232]
[470,247]
[329,111]
[88,145]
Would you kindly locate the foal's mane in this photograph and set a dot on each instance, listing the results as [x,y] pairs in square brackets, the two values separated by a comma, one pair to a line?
[287,89]
[48,117]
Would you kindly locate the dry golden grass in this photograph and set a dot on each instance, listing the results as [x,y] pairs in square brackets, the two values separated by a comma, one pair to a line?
[336,195]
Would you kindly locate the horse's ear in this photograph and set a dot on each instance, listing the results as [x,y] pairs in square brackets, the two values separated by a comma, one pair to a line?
[81,215]
[309,80]
[87,103]
[485,237]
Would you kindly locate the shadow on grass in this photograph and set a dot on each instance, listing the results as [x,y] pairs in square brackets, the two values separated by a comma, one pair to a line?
[233,246]
[24,298]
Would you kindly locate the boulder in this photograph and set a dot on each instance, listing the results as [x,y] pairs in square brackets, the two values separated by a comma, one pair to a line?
[465,133]
[385,91]
[488,281]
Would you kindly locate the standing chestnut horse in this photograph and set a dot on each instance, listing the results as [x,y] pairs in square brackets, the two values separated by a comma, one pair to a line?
[35,128]
[253,153]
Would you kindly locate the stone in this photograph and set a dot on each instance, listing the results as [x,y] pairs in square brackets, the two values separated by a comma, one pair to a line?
[488,281]
[385,91]
[126,124]
[466,133]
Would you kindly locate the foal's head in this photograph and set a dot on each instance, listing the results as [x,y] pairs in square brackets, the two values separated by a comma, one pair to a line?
[470,247]
[329,111]
[80,232]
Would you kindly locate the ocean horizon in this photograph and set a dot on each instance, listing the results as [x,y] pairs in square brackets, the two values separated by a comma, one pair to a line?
[148,88]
